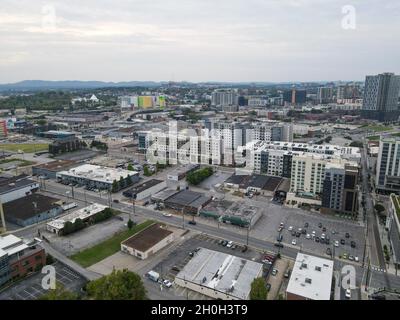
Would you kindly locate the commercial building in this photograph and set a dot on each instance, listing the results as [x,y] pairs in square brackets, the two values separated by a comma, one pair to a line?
[148,241]
[340,191]
[12,188]
[381,97]
[224,98]
[261,184]
[188,201]
[311,278]
[219,275]
[3,129]
[388,165]
[98,177]
[49,170]
[32,209]
[324,94]
[19,258]
[145,189]
[56,226]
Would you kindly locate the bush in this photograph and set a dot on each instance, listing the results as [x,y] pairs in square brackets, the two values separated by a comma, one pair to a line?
[103,215]
[198,176]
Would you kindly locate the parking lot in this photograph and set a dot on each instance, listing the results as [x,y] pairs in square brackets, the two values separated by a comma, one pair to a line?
[31,288]
[267,229]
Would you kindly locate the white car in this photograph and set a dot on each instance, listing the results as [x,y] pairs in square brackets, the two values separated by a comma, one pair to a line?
[323,236]
[356,259]
[336,243]
[308,236]
[294,242]
[230,244]
[348,294]
[290,228]
[167,283]
[167,214]
[313,233]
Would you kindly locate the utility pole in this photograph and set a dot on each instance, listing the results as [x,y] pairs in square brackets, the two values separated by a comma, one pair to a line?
[183,217]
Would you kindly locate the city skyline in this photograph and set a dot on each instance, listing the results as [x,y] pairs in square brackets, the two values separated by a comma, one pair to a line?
[256,41]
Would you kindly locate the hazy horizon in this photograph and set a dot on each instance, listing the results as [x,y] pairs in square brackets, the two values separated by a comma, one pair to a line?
[197,41]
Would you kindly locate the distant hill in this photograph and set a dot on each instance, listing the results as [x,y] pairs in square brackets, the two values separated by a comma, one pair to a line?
[72,84]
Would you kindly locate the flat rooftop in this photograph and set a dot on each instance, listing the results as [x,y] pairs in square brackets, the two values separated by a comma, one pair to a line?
[222,272]
[82,214]
[311,277]
[144,186]
[8,184]
[147,238]
[97,173]
[25,208]
[11,244]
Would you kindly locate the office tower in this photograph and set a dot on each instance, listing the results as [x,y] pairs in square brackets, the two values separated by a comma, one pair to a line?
[388,165]
[340,188]
[295,96]
[324,94]
[381,97]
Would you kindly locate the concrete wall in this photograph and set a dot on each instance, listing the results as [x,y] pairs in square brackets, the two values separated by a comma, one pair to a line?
[37,218]
[20,193]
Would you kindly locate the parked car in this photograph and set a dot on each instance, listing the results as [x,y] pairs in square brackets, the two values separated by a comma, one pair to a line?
[293,233]
[356,259]
[336,244]
[304,231]
[192,222]
[316,239]
[230,244]
[287,273]
[298,234]
[320,225]
[352,244]
[279,238]
[306,225]
[308,236]
[167,283]
[167,214]
[342,241]
[175,268]
[224,243]
[328,251]
[347,235]
[244,249]
[278,244]
[268,286]
[294,242]
[324,229]
[351,258]
[116,201]
[290,228]
[274,272]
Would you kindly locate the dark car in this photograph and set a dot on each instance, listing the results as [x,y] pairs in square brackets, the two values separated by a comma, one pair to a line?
[347,235]
[293,233]
[342,241]
[323,229]
[224,243]
[192,222]
[316,239]
[353,244]
[278,244]
[304,231]
[322,240]
[279,238]
[306,225]
[175,268]
[116,201]
[320,225]
[268,286]
[328,251]
[298,234]
[327,241]
[244,249]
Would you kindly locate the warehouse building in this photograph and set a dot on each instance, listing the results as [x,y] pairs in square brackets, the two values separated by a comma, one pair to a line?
[56,226]
[255,183]
[49,170]
[12,188]
[311,278]
[188,200]
[32,209]
[97,177]
[148,241]
[219,275]
[145,189]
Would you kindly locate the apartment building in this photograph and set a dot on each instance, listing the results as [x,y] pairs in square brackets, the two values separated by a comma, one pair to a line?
[388,165]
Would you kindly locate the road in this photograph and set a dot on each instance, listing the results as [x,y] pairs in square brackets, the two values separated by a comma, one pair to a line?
[381,279]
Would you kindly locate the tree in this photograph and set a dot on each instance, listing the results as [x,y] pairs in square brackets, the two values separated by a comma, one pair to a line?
[357,144]
[146,171]
[114,187]
[121,183]
[258,289]
[130,224]
[119,285]
[130,167]
[129,180]
[379,208]
[59,293]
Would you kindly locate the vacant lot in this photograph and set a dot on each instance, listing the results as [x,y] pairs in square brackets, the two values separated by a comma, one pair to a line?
[28,148]
[108,247]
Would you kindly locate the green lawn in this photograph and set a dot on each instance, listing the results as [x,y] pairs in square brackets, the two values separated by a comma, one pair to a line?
[373,138]
[25,147]
[378,128]
[90,256]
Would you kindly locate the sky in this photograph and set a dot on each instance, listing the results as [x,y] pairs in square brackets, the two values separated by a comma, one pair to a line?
[198,40]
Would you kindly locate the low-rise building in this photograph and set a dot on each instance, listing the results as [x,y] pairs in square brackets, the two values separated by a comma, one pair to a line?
[98,177]
[311,278]
[148,241]
[145,189]
[219,275]
[12,188]
[32,209]
[56,226]
[50,169]
[18,258]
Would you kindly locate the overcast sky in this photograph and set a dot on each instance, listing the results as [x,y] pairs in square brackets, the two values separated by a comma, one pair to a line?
[197,40]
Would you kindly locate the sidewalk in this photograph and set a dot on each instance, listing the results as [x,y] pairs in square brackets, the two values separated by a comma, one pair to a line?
[383,234]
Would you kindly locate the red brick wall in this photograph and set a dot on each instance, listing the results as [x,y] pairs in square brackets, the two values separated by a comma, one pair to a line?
[28,263]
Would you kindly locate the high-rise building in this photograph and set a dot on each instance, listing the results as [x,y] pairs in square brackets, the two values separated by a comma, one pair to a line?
[295,96]
[381,97]
[3,129]
[324,94]
[388,165]
[224,98]
[340,188]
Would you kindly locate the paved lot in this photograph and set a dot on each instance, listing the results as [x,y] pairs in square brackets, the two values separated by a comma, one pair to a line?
[217,178]
[267,229]
[31,288]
